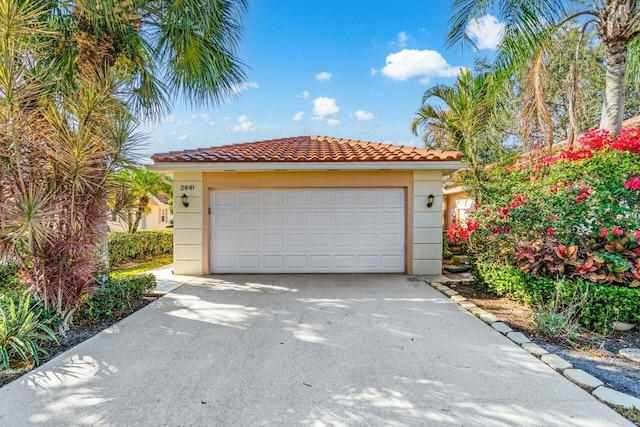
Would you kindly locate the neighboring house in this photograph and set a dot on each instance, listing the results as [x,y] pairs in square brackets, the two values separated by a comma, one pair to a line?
[308,204]
[456,205]
[158,218]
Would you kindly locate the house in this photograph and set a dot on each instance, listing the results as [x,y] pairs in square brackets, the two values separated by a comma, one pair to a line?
[308,204]
[159,216]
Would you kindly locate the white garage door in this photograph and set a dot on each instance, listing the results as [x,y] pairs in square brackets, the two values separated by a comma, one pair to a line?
[308,230]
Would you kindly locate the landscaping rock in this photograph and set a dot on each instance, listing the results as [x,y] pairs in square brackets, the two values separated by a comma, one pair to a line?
[458,298]
[518,337]
[581,378]
[477,311]
[616,398]
[622,326]
[630,353]
[460,259]
[489,318]
[534,349]
[467,305]
[556,362]
[503,328]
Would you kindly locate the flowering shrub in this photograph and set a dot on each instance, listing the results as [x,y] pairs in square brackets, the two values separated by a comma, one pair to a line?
[574,218]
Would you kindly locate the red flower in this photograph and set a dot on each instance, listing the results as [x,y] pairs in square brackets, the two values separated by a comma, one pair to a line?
[555,188]
[636,234]
[507,229]
[584,194]
[633,184]
[617,231]
[496,230]
[550,231]
[604,232]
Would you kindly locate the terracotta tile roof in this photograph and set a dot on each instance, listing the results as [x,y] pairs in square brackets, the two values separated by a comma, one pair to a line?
[309,149]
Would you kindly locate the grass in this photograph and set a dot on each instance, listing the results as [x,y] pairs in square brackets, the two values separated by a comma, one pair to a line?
[632,414]
[156,262]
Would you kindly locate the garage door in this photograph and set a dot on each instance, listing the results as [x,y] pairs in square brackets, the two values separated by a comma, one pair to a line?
[308,230]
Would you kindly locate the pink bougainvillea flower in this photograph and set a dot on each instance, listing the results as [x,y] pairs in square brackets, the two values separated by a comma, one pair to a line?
[550,231]
[636,234]
[633,184]
[617,231]
[604,232]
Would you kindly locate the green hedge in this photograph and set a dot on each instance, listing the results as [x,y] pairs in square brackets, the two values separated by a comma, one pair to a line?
[511,281]
[124,247]
[116,296]
[600,305]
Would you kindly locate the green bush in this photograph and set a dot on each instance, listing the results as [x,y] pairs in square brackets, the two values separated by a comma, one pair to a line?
[513,282]
[22,331]
[604,304]
[124,247]
[598,305]
[9,278]
[116,296]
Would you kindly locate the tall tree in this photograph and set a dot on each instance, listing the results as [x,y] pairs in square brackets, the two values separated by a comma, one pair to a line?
[72,75]
[460,117]
[530,24]
[139,185]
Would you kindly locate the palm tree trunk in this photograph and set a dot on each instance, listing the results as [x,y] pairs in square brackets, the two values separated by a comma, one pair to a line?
[614,92]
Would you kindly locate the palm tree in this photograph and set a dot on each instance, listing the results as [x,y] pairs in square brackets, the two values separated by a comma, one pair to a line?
[74,73]
[530,24]
[139,185]
[464,123]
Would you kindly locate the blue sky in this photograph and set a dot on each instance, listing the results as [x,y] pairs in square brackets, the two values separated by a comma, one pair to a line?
[350,69]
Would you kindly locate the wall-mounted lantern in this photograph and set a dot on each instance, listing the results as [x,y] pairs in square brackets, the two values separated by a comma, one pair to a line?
[430,200]
[185,200]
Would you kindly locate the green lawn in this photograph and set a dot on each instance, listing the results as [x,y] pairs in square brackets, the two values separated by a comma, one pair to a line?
[159,261]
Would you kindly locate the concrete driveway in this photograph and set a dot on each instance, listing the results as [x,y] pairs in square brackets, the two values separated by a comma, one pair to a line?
[320,350]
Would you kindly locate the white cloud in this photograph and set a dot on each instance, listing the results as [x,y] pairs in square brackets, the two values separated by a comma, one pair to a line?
[323,107]
[401,40]
[333,122]
[323,76]
[181,137]
[374,71]
[486,31]
[363,116]
[297,117]
[183,122]
[304,95]
[412,63]
[241,87]
[244,125]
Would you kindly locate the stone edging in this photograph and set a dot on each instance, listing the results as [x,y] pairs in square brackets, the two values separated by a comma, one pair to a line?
[579,377]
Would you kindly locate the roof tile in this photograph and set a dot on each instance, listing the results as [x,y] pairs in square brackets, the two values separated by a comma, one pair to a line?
[309,149]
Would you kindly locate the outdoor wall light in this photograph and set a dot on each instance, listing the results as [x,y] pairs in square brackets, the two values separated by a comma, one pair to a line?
[185,200]
[430,200]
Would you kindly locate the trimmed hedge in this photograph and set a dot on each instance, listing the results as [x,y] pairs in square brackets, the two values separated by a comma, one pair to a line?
[116,296]
[600,305]
[125,247]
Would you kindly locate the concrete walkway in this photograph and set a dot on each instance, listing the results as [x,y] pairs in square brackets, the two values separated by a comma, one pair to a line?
[321,350]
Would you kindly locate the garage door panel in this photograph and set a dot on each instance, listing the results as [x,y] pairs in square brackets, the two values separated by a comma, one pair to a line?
[308,230]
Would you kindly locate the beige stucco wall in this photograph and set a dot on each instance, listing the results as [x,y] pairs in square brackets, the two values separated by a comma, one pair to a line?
[427,223]
[423,240]
[188,232]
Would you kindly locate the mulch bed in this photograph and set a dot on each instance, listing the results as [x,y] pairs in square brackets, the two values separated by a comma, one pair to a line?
[593,353]
[79,332]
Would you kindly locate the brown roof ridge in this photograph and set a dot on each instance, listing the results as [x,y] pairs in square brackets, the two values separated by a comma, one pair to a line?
[308,148]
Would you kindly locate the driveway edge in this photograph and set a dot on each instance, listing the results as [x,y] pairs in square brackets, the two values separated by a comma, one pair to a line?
[579,377]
